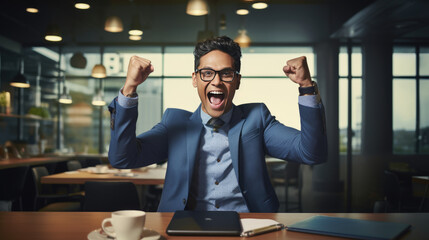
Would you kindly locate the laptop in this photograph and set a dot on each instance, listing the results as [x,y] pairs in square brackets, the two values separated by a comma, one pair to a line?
[207,223]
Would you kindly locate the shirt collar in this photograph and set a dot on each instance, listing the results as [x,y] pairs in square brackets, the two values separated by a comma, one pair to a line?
[226,117]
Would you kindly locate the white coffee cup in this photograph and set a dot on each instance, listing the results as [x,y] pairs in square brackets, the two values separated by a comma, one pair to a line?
[127,224]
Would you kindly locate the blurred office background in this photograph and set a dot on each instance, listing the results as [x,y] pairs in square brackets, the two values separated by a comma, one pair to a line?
[369,57]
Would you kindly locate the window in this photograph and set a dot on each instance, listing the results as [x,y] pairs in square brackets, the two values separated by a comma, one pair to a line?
[170,85]
[410,99]
[355,77]
[261,67]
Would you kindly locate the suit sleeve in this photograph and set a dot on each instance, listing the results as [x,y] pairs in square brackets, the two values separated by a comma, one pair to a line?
[127,150]
[307,146]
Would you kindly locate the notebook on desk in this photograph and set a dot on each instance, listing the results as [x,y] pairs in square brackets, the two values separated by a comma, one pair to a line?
[209,223]
[350,228]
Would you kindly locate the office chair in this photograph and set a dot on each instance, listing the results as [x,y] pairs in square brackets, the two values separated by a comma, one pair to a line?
[110,196]
[12,182]
[46,200]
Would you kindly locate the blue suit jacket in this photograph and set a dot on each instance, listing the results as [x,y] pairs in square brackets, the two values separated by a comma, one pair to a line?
[253,134]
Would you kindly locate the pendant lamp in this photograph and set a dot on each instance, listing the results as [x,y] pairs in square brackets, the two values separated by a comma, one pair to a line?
[242,39]
[113,24]
[197,8]
[65,98]
[98,99]
[20,81]
[136,27]
[53,33]
[98,71]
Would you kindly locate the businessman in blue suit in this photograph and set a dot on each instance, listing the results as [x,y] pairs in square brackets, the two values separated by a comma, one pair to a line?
[216,155]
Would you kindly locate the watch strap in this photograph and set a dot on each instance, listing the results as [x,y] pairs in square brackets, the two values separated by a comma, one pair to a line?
[308,90]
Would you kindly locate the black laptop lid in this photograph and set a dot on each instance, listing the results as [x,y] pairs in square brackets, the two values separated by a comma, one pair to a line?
[211,223]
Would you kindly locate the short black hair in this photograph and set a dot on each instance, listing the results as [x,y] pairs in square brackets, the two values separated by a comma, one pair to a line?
[224,44]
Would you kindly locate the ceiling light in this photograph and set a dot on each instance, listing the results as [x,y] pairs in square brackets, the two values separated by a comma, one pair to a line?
[242,11]
[32,10]
[135,32]
[98,100]
[82,4]
[65,98]
[135,37]
[113,24]
[78,60]
[53,33]
[20,81]
[259,5]
[242,39]
[98,71]
[197,8]
[135,28]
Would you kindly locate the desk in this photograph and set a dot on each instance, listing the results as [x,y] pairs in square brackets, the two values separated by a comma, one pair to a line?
[77,225]
[149,176]
[17,162]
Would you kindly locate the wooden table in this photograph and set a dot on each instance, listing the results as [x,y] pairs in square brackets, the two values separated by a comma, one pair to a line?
[77,225]
[147,176]
[17,162]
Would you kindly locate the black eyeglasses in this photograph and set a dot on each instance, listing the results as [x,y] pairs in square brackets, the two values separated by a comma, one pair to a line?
[226,75]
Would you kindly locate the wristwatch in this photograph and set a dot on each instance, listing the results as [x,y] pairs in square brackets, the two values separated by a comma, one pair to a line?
[313,90]
[132,95]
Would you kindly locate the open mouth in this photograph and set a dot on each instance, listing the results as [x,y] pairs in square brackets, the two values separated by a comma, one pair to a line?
[216,97]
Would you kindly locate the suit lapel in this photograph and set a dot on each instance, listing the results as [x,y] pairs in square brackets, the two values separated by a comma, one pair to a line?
[193,136]
[234,133]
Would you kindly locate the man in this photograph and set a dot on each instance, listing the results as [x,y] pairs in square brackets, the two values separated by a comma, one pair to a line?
[216,155]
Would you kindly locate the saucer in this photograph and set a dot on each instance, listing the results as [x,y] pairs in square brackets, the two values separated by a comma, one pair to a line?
[147,234]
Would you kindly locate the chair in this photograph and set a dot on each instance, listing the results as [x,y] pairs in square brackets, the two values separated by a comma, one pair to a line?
[12,182]
[399,193]
[46,200]
[110,196]
[90,162]
[73,165]
[289,176]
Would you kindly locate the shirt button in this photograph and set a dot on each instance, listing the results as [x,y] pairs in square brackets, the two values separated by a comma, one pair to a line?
[217,206]
[217,183]
[184,201]
[218,160]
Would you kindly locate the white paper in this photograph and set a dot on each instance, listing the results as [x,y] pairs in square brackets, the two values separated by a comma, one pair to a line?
[255,223]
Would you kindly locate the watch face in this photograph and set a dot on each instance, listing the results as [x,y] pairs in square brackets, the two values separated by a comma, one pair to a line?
[132,95]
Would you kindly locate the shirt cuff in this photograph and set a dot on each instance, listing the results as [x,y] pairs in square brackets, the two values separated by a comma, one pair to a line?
[309,101]
[127,102]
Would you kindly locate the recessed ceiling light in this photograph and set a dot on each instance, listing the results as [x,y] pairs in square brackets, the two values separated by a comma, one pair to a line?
[242,11]
[32,10]
[259,5]
[82,6]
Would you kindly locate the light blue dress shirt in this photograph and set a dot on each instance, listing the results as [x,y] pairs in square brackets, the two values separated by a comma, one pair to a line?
[215,185]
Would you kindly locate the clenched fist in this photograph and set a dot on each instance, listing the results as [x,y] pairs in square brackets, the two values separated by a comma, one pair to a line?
[138,71]
[297,70]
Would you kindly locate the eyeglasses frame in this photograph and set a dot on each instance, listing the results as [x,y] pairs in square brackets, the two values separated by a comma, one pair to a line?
[236,73]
